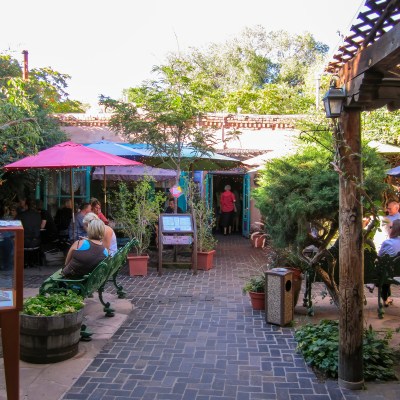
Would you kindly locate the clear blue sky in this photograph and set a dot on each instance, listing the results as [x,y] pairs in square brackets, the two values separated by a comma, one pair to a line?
[107,46]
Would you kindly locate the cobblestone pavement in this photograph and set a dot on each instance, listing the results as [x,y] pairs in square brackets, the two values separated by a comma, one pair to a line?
[196,337]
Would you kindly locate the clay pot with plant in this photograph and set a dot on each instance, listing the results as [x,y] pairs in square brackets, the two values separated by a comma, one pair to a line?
[136,213]
[204,218]
[255,287]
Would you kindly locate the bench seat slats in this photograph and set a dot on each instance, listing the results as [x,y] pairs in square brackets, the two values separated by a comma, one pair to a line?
[106,270]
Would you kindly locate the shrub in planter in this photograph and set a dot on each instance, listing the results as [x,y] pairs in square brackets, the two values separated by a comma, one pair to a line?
[204,218]
[50,327]
[53,304]
[255,287]
[137,212]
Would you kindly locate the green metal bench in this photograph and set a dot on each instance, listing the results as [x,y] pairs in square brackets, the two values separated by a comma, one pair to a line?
[385,270]
[106,270]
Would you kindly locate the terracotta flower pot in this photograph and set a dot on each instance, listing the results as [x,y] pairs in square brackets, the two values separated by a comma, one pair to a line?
[257,240]
[257,300]
[205,259]
[138,265]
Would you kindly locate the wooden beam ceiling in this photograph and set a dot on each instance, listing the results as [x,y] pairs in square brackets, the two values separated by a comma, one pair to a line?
[368,63]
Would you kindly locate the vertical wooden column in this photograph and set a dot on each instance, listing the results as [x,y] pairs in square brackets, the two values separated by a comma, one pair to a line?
[9,323]
[351,289]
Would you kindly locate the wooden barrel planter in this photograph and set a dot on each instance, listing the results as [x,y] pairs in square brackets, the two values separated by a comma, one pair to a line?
[45,340]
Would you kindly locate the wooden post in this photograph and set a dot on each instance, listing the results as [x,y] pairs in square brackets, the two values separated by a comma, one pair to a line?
[351,289]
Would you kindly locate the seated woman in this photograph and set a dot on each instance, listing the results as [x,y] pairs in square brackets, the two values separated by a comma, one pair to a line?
[391,247]
[96,208]
[85,254]
[110,239]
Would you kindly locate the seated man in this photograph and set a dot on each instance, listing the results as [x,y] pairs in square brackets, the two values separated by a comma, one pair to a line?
[85,254]
[76,231]
[31,221]
[63,218]
[171,207]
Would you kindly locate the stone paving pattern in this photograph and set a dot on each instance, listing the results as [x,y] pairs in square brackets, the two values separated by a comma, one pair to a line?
[197,337]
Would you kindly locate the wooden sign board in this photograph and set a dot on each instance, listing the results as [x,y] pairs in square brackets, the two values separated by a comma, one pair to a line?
[177,240]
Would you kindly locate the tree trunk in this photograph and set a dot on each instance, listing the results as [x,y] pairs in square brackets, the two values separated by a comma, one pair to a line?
[351,290]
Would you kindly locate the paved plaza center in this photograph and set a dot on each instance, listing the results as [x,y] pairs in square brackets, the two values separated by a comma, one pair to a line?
[193,337]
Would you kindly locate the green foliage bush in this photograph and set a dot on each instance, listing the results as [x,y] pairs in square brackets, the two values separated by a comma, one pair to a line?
[302,190]
[137,211]
[254,284]
[53,304]
[319,345]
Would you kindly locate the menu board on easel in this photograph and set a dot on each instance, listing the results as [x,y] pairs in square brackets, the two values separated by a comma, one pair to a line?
[176,223]
[176,230]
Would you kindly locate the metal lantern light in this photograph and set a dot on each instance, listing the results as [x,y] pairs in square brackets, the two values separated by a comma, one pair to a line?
[333,102]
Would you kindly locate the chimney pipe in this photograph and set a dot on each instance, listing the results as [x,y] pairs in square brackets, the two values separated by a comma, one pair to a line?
[25,72]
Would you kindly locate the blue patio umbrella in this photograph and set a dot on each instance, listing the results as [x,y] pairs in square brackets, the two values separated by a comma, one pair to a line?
[191,159]
[394,171]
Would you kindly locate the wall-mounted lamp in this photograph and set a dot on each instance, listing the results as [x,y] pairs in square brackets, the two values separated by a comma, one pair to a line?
[333,102]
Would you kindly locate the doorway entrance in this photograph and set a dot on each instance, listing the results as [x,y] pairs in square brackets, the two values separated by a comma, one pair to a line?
[240,187]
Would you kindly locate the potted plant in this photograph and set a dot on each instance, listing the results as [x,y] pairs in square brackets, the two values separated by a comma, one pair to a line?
[136,214]
[204,217]
[258,237]
[50,327]
[255,287]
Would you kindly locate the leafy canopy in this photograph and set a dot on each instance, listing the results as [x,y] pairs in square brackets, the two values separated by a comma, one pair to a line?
[163,113]
[301,191]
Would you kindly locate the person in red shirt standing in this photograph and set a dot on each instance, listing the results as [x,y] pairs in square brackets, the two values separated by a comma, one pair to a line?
[228,208]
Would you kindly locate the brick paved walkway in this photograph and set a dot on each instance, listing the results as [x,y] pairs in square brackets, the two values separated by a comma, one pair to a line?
[196,337]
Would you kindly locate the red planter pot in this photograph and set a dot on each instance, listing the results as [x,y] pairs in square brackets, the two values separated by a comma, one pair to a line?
[257,300]
[205,259]
[137,265]
[257,240]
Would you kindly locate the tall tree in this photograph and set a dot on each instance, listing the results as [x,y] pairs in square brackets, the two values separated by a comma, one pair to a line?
[26,124]
[163,113]
[248,71]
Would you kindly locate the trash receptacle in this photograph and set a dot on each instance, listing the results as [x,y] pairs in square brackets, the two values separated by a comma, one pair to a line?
[279,308]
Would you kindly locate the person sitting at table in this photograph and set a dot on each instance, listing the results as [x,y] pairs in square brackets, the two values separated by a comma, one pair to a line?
[390,247]
[96,208]
[85,254]
[109,240]
[48,227]
[171,207]
[31,221]
[78,231]
[63,218]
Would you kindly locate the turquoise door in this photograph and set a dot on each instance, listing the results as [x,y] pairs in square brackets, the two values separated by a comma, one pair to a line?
[209,190]
[246,206]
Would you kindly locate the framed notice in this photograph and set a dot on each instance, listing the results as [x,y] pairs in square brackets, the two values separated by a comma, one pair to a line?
[11,265]
[176,223]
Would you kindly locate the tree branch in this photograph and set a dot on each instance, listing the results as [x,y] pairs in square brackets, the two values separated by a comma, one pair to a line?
[16,122]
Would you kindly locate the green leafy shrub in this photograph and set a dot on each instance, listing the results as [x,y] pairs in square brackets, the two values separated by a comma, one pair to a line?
[254,284]
[319,345]
[53,304]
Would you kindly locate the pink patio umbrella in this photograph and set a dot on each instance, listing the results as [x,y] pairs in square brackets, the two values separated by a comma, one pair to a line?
[69,155]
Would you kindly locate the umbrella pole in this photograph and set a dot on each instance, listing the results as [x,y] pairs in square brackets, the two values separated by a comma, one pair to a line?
[105,190]
[72,201]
